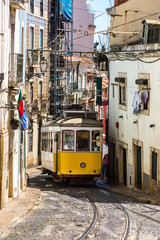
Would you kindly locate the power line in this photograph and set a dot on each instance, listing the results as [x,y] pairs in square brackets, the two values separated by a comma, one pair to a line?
[135,20]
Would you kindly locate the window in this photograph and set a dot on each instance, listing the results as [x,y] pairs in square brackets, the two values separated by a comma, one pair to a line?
[122,90]
[31,38]
[47,141]
[96,143]
[31,6]
[144,92]
[30,140]
[41,8]
[122,94]
[83,141]
[68,140]
[31,93]
[154,166]
[41,42]
[40,90]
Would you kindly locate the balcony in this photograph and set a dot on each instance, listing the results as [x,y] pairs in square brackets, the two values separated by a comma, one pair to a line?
[18,4]
[33,58]
[15,69]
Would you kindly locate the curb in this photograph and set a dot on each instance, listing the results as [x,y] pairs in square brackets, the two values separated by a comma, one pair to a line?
[150,201]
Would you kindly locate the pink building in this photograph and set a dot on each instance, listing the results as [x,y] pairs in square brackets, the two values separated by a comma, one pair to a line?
[83,26]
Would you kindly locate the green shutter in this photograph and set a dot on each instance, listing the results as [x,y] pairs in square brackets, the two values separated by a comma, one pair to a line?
[99,91]
[154,165]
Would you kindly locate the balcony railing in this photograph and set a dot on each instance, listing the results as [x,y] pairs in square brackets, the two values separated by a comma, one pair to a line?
[33,58]
[18,4]
[15,69]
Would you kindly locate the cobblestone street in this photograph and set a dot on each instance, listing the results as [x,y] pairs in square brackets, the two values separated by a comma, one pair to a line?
[65,212]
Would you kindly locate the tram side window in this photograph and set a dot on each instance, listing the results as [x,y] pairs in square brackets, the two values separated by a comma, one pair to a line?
[44,141]
[47,142]
[96,144]
[68,140]
[83,141]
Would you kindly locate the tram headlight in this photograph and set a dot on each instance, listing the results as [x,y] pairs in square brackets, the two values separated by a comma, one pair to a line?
[82,165]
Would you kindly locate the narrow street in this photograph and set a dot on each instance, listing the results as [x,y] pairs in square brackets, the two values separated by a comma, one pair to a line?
[65,212]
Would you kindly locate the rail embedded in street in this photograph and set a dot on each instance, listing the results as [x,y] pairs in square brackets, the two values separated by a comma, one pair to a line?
[94,221]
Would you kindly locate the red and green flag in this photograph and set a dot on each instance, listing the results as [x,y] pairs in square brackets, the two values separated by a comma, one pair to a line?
[23,115]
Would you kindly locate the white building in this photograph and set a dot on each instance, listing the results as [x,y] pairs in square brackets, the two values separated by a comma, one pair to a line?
[134,129]
[12,77]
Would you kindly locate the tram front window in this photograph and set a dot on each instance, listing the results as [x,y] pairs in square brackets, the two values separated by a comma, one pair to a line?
[68,140]
[96,144]
[83,141]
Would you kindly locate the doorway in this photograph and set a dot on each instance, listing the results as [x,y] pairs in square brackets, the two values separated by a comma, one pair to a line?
[123,163]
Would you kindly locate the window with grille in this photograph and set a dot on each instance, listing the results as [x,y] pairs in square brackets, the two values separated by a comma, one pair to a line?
[30,140]
[41,8]
[31,38]
[154,166]
[31,6]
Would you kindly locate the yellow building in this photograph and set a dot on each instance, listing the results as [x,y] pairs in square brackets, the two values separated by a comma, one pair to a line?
[126,20]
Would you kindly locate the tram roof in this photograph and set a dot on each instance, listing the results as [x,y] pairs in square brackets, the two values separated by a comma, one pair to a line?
[76,122]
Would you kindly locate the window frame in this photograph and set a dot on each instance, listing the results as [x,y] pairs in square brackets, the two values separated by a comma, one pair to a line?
[68,150]
[122,105]
[32,6]
[31,41]
[143,88]
[30,146]
[100,141]
[83,130]
[41,8]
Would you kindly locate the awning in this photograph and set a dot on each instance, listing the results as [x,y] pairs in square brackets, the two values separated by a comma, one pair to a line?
[153,22]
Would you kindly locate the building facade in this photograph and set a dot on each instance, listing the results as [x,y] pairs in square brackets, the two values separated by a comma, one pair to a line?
[36,88]
[12,78]
[133,92]
[83,28]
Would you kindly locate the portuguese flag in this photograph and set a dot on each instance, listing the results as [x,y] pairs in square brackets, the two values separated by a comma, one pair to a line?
[23,115]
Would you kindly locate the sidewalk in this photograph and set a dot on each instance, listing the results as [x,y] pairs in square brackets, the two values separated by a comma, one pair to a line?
[139,195]
[18,207]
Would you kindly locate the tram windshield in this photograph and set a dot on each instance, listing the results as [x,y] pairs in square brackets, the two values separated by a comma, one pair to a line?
[68,140]
[83,141]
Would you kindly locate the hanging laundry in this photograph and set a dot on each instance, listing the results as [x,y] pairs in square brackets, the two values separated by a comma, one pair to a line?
[136,102]
[145,97]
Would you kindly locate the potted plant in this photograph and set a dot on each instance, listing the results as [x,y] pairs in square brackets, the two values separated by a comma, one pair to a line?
[14,124]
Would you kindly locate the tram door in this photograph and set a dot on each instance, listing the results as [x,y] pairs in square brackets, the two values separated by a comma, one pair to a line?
[57,139]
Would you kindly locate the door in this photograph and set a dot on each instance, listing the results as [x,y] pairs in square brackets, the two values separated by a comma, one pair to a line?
[111,163]
[57,140]
[124,167]
[139,169]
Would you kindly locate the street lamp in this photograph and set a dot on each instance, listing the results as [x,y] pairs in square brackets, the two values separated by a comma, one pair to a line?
[43,65]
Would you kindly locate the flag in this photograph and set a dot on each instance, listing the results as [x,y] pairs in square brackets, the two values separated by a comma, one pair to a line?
[23,115]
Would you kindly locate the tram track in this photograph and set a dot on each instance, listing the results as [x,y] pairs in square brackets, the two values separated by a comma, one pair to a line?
[127,218]
[95,216]
[94,220]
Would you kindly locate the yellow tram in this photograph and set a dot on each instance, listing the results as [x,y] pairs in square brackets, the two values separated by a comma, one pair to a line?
[71,146]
